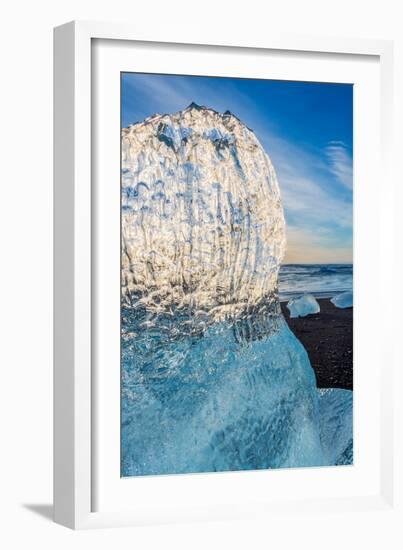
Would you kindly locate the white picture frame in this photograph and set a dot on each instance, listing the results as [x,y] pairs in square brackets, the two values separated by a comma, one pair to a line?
[78,423]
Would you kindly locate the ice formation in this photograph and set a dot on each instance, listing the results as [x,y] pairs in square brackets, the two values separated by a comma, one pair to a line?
[303,305]
[224,401]
[212,377]
[343,300]
[202,220]
[336,425]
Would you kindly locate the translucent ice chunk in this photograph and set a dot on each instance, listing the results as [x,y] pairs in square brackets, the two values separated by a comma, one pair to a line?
[234,399]
[336,425]
[303,306]
[343,300]
[202,221]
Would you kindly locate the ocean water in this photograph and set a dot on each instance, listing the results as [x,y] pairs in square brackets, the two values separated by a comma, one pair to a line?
[321,280]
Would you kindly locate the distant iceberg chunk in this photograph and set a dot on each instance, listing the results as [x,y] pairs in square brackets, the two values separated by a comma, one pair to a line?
[303,306]
[343,300]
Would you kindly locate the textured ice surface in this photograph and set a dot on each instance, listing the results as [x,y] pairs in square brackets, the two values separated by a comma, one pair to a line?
[237,398]
[212,377]
[303,305]
[336,425]
[343,300]
[202,220]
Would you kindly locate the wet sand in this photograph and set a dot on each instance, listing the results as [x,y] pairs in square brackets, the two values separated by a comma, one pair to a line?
[328,338]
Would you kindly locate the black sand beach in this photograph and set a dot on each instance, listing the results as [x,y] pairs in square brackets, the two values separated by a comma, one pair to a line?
[328,338]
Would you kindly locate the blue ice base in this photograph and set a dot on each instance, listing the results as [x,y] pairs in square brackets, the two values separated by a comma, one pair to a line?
[225,401]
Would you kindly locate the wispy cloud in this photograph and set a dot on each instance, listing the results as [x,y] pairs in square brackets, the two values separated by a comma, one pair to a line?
[305,198]
[319,217]
[307,195]
[315,184]
[340,162]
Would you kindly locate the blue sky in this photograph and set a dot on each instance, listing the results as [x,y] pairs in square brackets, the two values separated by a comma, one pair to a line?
[306,129]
